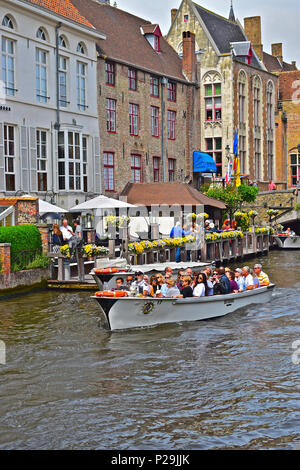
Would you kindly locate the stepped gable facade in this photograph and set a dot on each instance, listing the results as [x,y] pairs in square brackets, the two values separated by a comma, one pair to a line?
[236,89]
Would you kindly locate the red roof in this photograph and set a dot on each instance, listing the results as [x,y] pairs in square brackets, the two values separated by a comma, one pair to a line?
[148,194]
[64,8]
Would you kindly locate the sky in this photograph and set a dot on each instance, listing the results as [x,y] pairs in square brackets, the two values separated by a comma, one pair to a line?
[280,18]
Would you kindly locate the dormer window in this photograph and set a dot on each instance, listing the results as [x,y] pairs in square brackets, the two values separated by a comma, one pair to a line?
[242,51]
[153,34]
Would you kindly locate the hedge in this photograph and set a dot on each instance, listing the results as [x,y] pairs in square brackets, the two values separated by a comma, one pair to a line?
[22,238]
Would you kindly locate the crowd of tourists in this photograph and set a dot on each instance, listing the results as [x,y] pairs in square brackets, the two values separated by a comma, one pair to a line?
[209,282]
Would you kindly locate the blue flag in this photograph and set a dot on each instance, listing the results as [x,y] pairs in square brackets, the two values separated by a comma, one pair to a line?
[235,143]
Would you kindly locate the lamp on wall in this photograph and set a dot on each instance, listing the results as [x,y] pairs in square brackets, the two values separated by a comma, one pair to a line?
[227,154]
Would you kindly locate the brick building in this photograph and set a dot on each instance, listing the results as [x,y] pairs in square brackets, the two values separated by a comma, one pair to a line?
[236,90]
[148,110]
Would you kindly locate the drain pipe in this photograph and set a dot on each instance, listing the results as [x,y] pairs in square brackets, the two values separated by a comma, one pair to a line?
[284,120]
[57,124]
[164,82]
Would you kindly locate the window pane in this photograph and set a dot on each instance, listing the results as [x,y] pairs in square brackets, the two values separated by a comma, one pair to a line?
[218,143]
[209,144]
[217,88]
[294,159]
[208,90]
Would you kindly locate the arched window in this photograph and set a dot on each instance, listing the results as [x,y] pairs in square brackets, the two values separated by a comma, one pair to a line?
[212,96]
[7,22]
[270,127]
[242,91]
[40,34]
[270,105]
[62,41]
[80,48]
[257,101]
[243,112]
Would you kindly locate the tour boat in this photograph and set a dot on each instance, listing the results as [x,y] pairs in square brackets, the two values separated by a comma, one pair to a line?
[120,313]
[288,242]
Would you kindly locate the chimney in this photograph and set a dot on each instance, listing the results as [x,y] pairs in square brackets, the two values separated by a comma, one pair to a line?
[294,64]
[277,51]
[189,55]
[252,27]
[173,14]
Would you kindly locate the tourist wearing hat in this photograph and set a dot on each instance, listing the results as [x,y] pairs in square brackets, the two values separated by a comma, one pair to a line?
[139,282]
[239,279]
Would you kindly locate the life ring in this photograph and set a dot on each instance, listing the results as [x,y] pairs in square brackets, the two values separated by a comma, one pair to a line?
[117,294]
[109,271]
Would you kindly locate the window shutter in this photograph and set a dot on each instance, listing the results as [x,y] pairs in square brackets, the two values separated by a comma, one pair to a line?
[2,176]
[33,159]
[97,181]
[24,160]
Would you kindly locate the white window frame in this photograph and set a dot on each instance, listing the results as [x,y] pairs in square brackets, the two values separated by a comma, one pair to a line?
[10,157]
[69,160]
[6,59]
[81,82]
[41,67]
[63,73]
[42,156]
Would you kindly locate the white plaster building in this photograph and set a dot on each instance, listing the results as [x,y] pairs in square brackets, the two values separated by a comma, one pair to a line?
[49,131]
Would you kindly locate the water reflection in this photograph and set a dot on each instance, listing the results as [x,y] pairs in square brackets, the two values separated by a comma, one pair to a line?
[226,383]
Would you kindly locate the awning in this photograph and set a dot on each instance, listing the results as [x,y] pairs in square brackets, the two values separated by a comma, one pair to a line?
[204,163]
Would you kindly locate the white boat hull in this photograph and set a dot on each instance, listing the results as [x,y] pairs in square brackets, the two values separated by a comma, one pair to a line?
[133,312]
[288,243]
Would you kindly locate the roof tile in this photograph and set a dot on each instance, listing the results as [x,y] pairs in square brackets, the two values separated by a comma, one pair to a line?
[64,8]
[126,43]
[273,64]
[148,194]
[223,32]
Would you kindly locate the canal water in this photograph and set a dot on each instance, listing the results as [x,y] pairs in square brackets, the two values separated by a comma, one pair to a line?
[229,383]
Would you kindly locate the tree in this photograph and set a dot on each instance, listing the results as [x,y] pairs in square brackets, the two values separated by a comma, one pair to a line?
[233,197]
[248,193]
[229,195]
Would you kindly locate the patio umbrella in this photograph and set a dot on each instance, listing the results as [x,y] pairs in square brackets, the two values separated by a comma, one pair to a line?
[99,203]
[47,208]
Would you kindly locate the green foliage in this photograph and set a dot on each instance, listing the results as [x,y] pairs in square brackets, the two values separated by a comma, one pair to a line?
[233,197]
[229,195]
[204,188]
[40,261]
[21,238]
[298,207]
[248,193]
